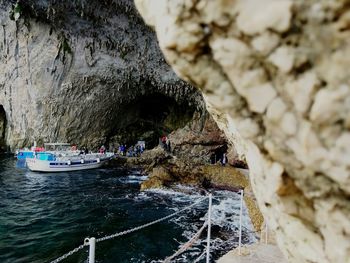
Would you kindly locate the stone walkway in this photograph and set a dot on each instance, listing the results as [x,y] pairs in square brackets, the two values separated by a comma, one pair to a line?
[256,253]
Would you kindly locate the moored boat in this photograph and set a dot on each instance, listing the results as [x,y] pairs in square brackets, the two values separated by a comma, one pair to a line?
[50,162]
[25,153]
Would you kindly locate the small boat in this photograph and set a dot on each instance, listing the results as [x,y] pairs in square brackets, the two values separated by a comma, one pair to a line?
[61,162]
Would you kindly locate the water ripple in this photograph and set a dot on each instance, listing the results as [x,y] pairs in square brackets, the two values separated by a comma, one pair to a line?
[42,216]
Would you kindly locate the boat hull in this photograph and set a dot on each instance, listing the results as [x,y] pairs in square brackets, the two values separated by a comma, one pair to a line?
[37,165]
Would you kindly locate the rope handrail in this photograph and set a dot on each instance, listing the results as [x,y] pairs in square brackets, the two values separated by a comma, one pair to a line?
[86,243]
[150,223]
[200,256]
[187,245]
[91,242]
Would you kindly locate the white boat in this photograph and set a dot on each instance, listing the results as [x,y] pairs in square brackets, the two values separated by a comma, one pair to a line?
[55,148]
[65,149]
[50,162]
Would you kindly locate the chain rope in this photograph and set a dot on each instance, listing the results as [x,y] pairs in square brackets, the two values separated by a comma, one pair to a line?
[148,224]
[187,245]
[69,253]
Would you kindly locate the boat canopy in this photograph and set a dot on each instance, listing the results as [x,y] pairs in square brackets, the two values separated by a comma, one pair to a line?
[57,146]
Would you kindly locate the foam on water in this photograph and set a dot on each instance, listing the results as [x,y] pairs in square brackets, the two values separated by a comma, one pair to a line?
[224,220]
[46,215]
[133,179]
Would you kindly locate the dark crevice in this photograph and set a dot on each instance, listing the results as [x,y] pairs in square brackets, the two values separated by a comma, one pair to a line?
[217,155]
[147,118]
[3,124]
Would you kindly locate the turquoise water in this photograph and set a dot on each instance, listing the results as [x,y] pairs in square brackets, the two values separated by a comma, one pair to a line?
[43,216]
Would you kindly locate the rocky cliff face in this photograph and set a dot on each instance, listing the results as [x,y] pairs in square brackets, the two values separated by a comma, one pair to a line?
[275,78]
[87,73]
[200,141]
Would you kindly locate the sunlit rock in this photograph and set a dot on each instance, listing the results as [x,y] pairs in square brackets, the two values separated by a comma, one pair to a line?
[91,77]
[294,132]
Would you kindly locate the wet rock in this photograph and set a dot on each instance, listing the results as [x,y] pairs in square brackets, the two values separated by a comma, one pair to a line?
[159,178]
[198,140]
[185,172]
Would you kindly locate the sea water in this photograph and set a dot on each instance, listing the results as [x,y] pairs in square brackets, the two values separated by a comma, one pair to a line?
[43,216]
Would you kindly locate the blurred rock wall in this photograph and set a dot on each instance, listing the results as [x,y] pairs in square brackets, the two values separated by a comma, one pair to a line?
[275,77]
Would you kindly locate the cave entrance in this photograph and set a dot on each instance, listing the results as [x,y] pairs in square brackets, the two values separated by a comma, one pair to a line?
[147,118]
[3,124]
[217,155]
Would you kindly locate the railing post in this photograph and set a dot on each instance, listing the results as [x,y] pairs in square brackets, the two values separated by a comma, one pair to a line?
[92,246]
[240,224]
[209,227]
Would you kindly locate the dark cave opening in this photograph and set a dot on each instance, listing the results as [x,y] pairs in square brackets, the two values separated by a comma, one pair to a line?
[3,124]
[217,155]
[147,118]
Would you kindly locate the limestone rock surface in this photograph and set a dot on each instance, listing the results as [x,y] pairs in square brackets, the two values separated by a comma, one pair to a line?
[275,77]
[86,73]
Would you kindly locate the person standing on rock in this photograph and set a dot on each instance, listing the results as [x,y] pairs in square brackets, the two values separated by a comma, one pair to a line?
[224,159]
[124,150]
[103,149]
[167,144]
[163,140]
[82,151]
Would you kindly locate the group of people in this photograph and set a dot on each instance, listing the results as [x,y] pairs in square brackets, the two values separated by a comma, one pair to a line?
[132,151]
[122,150]
[85,150]
[165,142]
[138,149]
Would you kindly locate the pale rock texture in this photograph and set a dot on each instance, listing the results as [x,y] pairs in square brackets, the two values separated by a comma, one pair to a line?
[86,73]
[257,16]
[264,43]
[275,76]
[283,59]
